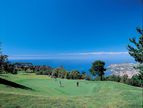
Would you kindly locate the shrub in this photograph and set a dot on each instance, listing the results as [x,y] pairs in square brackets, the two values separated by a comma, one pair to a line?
[124,79]
[135,80]
[113,78]
[88,77]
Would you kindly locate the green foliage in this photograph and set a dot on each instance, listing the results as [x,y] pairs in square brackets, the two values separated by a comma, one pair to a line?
[97,78]
[39,72]
[42,70]
[60,72]
[83,75]
[124,79]
[88,77]
[29,70]
[3,62]
[113,78]
[134,81]
[75,74]
[57,72]
[140,75]
[5,66]
[136,52]
[98,68]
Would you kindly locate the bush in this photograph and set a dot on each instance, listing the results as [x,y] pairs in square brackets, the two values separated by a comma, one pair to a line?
[88,77]
[38,72]
[113,78]
[124,79]
[97,78]
[134,81]
[29,71]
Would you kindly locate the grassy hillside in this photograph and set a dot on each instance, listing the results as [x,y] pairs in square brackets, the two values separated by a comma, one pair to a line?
[48,94]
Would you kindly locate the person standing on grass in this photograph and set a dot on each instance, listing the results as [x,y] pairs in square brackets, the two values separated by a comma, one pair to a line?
[77,83]
[60,83]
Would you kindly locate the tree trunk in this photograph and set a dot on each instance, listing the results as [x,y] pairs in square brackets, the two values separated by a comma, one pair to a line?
[101,78]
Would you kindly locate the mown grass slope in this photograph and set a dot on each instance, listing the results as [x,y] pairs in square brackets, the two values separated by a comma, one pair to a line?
[47,93]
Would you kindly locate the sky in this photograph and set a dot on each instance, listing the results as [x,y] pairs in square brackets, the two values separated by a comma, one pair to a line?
[41,28]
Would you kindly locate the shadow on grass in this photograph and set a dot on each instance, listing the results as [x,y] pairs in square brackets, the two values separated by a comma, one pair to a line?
[13,84]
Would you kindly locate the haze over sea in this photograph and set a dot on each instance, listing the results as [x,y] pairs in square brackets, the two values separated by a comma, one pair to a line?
[81,63]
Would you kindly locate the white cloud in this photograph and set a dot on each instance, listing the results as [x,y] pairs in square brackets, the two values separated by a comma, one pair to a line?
[67,55]
[97,53]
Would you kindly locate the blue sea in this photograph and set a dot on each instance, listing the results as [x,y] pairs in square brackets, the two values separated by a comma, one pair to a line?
[75,64]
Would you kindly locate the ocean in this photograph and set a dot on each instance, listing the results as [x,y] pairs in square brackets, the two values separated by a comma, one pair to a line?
[75,64]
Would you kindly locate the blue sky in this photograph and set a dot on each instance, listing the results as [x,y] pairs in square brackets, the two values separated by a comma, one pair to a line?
[46,27]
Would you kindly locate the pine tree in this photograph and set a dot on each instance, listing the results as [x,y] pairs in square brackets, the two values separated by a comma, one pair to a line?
[136,51]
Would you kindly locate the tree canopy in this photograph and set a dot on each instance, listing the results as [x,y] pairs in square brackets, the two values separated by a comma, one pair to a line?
[98,68]
[136,51]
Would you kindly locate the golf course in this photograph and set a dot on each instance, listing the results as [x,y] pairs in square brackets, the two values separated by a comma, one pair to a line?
[46,92]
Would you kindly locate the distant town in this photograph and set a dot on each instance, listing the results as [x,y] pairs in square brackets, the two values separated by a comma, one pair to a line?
[123,69]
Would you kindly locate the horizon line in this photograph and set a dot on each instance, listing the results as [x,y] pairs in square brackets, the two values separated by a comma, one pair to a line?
[64,55]
[80,53]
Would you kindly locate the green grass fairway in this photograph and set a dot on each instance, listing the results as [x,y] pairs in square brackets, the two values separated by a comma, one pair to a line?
[48,94]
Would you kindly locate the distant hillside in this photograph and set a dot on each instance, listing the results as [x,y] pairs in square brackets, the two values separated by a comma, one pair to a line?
[123,69]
